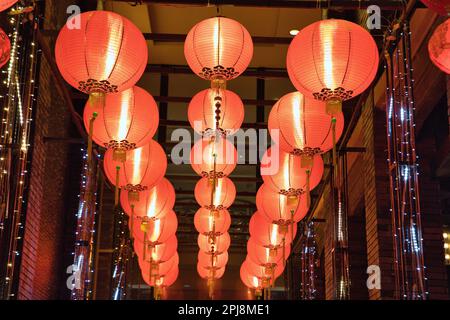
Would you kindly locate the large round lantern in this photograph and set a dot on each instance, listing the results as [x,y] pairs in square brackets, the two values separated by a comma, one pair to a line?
[215,194]
[156,253]
[153,203]
[5,4]
[5,48]
[101,52]
[128,120]
[213,157]
[439,47]
[212,222]
[216,110]
[250,281]
[154,231]
[158,269]
[267,275]
[332,60]
[212,261]
[271,235]
[303,125]
[263,256]
[218,48]
[440,6]
[279,208]
[142,169]
[210,274]
[219,245]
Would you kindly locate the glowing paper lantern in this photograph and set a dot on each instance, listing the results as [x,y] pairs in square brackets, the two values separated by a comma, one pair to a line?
[128,120]
[154,231]
[162,281]
[213,158]
[5,48]
[332,60]
[209,104]
[212,221]
[153,203]
[142,169]
[218,48]
[5,4]
[440,6]
[158,269]
[263,256]
[439,47]
[281,209]
[215,197]
[211,262]
[249,280]
[209,274]
[100,52]
[218,246]
[270,235]
[266,275]
[304,125]
[156,253]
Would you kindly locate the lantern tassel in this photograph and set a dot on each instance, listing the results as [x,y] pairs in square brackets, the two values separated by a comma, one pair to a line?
[116,190]
[308,188]
[145,246]
[91,133]
[132,224]
[97,100]
[333,130]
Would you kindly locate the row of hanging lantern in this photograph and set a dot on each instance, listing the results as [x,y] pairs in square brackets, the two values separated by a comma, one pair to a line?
[329,62]
[217,49]
[104,58]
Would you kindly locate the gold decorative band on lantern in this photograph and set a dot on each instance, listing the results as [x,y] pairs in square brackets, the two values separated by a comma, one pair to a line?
[133,191]
[307,152]
[91,86]
[213,175]
[219,83]
[291,192]
[120,148]
[334,106]
[339,93]
[212,207]
[218,72]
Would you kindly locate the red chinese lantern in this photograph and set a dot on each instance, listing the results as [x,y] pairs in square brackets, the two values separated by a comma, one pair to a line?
[218,246]
[158,269]
[263,256]
[142,169]
[213,157]
[267,275]
[105,53]
[154,231]
[305,127]
[212,222]
[212,261]
[5,4]
[281,209]
[209,274]
[271,235]
[215,194]
[162,281]
[439,47]
[250,281]
[440,6]
[332,60]
[153,203]
[128,120]
[218,48]
[216,110]
[5,48]
[156,253]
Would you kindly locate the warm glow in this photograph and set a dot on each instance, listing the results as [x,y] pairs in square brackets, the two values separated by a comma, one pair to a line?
[327,31]
[217,40]
[294,32]
[218,193]
[151,211]
[154,253]
[447,257]
[255,282]
[112,47]
[136,177]
[445,235]
[123,120]
[286,168]
[156,232]
[211,221]
[274,235]
[298,120]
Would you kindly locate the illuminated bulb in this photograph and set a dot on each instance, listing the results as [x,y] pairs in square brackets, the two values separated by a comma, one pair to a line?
[447,257]
[294,32]
[446,245]
[445,235]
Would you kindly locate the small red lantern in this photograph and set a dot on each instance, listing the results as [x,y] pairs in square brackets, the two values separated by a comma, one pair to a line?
[5,48]
[212,261]
[143,168]
[156,253]
[154,231]
[218,48]
[263,256]
[267,275]
[158,269]
[216,110]
[219,245]
[100,52]
[153,203]
[5,4]
[215,222]
[439,47]
[332,60]
[213,157]
[215,194]
[250,281]
[440,6]
[162,281]
[271,235]
[209,274]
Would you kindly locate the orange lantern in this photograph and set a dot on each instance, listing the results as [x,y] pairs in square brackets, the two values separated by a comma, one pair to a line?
[5,4]
[440,6]
[5,48]
[162,281]
[154,231]
[152,204]
[101,52]
[218,246]
[143,168]
[250,281]
[216,110]
[271,235]
[439,47]
[212,261]
[210,274]
[263,256]
[332,60]
[212,222]
[158,269]
[266,275]
[218,48]
[213,158]
[216,194]
[156,253]
[280,209]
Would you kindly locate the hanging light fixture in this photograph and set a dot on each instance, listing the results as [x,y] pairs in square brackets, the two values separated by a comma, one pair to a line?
[212,222]
[216,195]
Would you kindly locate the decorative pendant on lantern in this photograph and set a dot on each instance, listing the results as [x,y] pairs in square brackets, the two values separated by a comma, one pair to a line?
[440,6]
[128,120]
[332,61]
[5,4]
[5,48]
[101,52]
[439,47]
[156,253]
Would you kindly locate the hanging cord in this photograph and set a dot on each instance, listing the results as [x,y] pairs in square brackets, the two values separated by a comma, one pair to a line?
[91,133]
[116,190]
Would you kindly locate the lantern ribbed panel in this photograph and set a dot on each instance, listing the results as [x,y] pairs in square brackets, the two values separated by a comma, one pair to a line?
[5,48]
[332,54]
[261,255]
[163,281]
[224,196]
[290,178]
[107,53]
[212,262]
[303,123]
[5,4]
[202,157]
[439,47]
[157,253]
[202,111]
[440,6]
[221,244]
[158,230]
[143,167]
[268,234]
[160,269]
[276,207]
[130,116]
[205,273]
[218,46]
[250,281]
[205,221]
[153,203]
